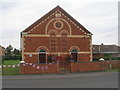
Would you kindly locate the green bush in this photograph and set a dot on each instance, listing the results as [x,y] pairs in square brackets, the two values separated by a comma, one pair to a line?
[49,59]
[113,58]
[96,59]
[10,57]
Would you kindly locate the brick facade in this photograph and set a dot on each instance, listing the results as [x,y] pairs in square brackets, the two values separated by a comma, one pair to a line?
[56,34]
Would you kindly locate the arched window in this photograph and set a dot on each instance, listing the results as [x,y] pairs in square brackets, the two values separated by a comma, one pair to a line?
[42,51]
[64,42]
[74,54]
[74,51]
[42,56]
[53,42]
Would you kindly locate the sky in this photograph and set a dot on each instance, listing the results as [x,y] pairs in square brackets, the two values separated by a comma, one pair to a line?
[100,17]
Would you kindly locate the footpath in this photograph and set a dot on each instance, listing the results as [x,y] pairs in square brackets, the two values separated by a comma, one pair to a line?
[55,76]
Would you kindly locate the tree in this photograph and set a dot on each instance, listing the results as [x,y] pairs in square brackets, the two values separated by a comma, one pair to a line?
[8,50]
[16,52]
[107,56]
[12,54]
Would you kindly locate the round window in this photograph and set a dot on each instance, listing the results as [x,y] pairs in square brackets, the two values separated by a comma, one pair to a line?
[58,25]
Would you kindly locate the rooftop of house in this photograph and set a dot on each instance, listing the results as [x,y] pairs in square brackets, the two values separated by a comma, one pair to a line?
[106,49]
[2,47]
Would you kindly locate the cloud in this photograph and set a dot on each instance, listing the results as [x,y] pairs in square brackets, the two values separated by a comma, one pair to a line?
[98,16]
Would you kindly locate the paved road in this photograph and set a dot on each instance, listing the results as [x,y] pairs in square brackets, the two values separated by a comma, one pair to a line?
[76,80]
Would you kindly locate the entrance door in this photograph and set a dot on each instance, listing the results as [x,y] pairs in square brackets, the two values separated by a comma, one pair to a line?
[42,56]
[74,56]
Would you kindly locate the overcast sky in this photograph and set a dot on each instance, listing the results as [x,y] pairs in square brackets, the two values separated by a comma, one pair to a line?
[100,17]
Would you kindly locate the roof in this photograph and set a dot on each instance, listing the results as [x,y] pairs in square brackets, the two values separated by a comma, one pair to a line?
[106,49]
[2,47]
[52,11]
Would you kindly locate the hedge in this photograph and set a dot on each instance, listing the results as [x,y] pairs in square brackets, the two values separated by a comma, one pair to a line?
[114,58]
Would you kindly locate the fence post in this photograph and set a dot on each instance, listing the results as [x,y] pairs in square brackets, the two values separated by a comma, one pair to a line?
[71,64]
[110,64]
[58,68]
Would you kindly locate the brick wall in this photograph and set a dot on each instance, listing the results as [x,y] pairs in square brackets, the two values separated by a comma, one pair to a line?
[73,67]
[94,66]
[85,66]
[28,69]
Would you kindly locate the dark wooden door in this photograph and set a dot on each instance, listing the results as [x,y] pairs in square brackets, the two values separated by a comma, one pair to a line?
[42,57]
[74,57]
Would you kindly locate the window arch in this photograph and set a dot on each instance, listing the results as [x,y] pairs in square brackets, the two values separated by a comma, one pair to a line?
[53,31]
[42,48]
[64,32]
[74,47]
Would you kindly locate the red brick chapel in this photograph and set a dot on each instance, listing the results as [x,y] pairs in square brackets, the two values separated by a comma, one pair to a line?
[56,34]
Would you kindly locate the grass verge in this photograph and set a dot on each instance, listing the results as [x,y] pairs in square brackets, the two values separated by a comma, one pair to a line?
[113,70]
[11,62]
[11,70]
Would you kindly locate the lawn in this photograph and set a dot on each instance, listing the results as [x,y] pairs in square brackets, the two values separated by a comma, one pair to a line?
[11,62]
[11,70]
[113,70]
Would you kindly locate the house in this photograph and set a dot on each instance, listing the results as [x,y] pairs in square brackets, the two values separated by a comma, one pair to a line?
[103,50]
[2,51]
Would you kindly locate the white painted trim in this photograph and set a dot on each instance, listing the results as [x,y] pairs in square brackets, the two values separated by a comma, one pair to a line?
[24,33]
[74,47]
[91,57]
[23,45]
[47,35]
[37,35]
[81,52]
[42,47]
[60,19]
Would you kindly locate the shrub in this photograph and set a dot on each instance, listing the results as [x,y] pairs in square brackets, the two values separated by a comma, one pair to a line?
[96,59]
[113,58]
[49,59]
[10,57]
